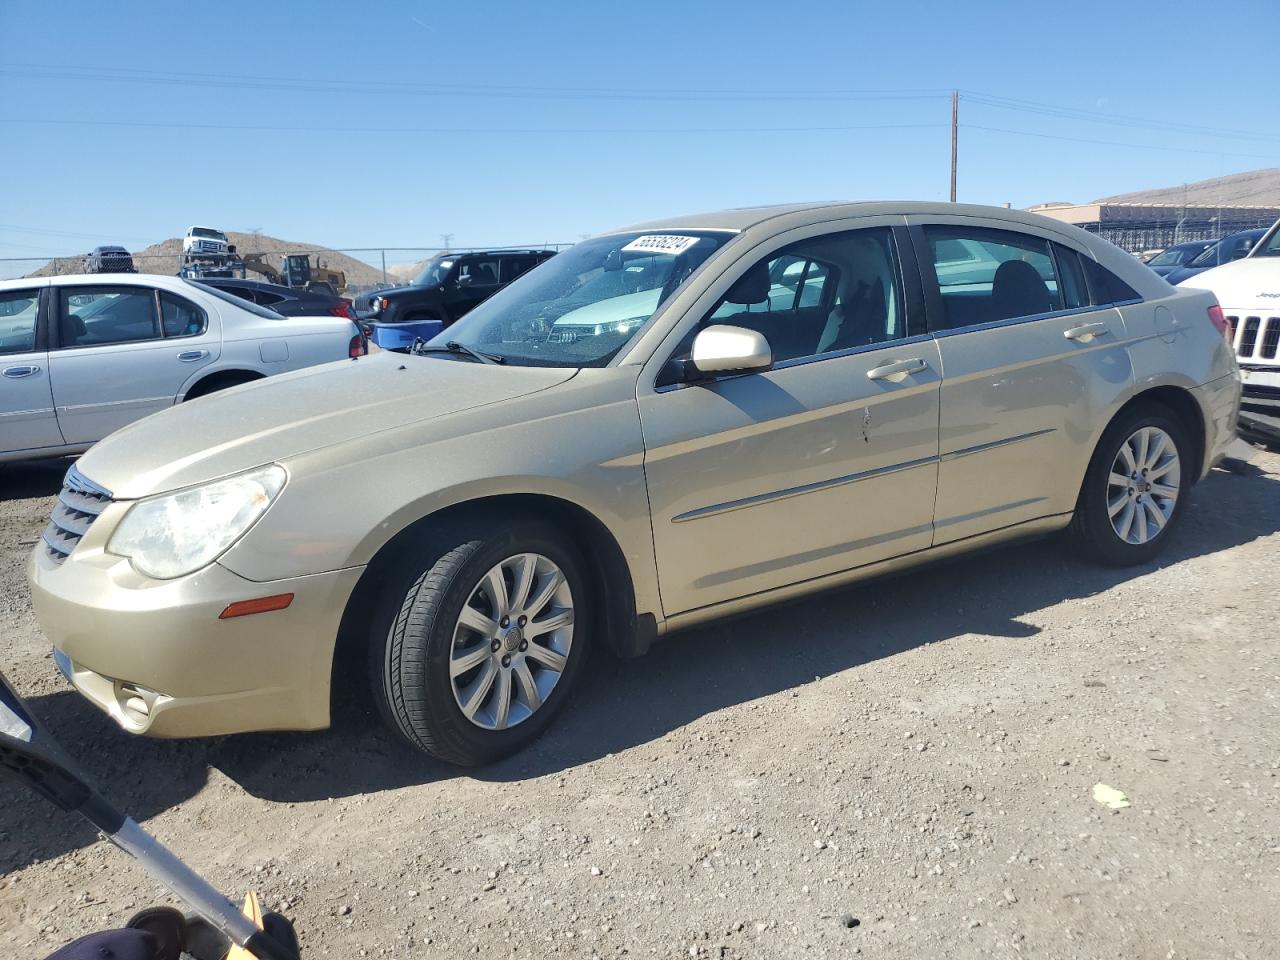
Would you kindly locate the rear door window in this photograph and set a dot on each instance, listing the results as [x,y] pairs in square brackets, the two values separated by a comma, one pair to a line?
[1104,286]
[181,317]
[512,267]
[96,316]
[985,276]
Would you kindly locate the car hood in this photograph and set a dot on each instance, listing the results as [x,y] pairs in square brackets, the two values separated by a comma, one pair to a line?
[1250,283]
[290,414]
[387,292]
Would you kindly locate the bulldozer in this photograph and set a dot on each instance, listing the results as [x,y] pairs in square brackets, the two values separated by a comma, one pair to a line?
[297,271]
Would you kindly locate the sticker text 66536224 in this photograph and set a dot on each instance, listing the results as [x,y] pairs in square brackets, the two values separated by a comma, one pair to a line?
[670,244]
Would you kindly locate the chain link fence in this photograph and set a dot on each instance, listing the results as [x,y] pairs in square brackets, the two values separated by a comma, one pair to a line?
[364,268]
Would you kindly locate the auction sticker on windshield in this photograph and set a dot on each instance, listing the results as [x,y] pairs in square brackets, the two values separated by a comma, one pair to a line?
[668,243]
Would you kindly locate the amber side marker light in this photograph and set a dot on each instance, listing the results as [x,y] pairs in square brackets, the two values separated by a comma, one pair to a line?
[243,608]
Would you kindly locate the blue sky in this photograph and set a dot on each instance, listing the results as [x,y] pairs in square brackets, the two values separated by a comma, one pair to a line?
[388,124]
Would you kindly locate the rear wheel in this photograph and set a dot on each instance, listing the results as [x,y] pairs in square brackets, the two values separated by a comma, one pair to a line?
[1135,488]
[480,644]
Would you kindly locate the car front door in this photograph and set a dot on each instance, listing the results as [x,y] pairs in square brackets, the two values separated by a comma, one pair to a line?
[473,281]
[825,462]
[1031,368]
[27,419]
[122,352]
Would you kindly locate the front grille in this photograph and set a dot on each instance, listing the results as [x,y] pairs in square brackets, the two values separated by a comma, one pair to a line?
[1255,338]
[79,503]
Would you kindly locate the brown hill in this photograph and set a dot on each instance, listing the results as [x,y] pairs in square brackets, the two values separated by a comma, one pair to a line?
[164,257]
[1254,188]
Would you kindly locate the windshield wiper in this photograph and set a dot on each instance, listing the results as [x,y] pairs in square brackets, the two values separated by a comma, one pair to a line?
[454,347]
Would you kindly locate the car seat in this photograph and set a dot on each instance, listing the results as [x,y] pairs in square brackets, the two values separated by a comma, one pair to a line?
[1017,290]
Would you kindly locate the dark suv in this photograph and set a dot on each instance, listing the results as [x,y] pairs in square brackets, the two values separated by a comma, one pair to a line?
[109,260]
[448,286]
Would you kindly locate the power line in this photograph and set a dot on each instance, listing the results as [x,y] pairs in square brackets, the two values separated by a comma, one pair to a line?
[270,128]
[1117,143]
[1091,116]
[522,92]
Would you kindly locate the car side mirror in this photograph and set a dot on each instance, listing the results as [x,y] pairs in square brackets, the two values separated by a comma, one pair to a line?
[722,348]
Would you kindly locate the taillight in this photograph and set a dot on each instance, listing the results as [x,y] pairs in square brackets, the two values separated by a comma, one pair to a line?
[342,309]
[1219,321]
[357,346]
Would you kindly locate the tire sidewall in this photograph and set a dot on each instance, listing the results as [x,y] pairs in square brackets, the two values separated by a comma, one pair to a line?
[449,727]
[1096,523]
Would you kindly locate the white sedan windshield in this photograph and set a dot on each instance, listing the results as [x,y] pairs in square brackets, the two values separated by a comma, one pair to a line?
[581,307]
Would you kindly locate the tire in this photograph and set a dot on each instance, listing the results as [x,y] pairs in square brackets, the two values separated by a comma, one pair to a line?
[418,633]
[1145,501]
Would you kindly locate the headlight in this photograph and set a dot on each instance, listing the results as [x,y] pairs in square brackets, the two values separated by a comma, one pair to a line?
[177,533]
[377,304]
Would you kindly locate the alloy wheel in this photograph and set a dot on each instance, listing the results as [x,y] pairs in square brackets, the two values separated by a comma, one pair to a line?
[1142,489]
[511,641]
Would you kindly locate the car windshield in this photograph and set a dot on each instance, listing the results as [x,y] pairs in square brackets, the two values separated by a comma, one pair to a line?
[434,272]
[582,306]
[207,233]
[1224,251]
[1171,257]
[1272,247]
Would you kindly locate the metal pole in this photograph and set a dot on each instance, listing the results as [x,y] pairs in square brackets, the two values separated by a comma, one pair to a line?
[955,124]
[384,266]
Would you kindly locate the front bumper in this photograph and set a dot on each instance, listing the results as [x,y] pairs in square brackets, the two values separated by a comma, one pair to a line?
[156,658]
[1260,406]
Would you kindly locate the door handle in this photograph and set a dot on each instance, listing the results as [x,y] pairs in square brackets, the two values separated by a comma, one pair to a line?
[188,356]
[17,373]
[898,370]
[1085,331]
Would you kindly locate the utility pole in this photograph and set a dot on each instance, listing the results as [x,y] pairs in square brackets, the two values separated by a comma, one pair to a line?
[955,126]
[445,239]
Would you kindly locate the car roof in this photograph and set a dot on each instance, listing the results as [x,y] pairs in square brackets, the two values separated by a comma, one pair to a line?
[789,215]
[161,280]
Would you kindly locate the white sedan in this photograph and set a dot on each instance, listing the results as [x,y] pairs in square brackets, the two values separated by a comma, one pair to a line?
[82,356]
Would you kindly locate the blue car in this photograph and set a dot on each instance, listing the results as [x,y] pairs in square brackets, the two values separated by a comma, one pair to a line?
[1236,246]
[1179,255]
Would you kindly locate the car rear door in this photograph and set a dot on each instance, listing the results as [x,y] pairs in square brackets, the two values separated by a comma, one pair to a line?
[27,418]
[1031,369]
[827,461]
[122,351]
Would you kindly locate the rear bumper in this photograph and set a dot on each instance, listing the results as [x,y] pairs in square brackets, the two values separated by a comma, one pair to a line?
[155,657]
[1220,403]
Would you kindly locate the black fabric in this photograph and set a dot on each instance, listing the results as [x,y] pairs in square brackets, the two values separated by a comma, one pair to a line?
[1018,291]
[110,945]
[167,925]
[865,317]
[72,330]
[751,287]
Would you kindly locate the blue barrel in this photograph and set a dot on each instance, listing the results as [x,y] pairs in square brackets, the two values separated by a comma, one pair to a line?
[400,336]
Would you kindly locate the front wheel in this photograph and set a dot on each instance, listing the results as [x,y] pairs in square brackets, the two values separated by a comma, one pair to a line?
[483,644]
[1135,488]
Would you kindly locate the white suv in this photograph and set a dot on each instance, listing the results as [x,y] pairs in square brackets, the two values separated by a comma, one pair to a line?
[1249,292]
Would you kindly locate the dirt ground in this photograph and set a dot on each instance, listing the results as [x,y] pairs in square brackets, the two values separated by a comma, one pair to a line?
[901,770]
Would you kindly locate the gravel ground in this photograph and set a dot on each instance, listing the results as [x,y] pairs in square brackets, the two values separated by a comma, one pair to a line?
[903,770]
